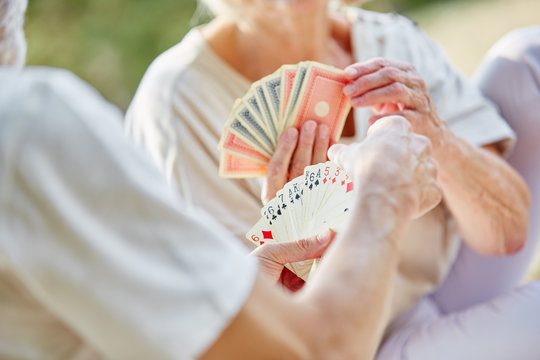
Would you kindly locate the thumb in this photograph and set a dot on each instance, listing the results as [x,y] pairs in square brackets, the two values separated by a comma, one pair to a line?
[335,154]
[294,251]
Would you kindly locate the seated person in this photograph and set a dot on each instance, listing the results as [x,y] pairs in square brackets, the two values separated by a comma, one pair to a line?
[100,260]
[185,97]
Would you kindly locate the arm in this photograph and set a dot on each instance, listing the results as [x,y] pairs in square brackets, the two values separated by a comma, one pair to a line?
[339,313]
[487,198]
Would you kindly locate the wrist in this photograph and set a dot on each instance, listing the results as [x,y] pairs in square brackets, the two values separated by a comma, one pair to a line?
[449,156]
[379,218]
[442,142]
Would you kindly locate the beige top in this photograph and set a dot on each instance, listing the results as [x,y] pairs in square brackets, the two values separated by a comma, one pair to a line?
[186,95]
[97,257]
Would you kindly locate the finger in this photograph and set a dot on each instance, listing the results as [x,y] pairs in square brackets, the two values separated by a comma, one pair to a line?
[381,78]
[322,141]
[392,93]
[391,121]
[367,67]
[294,251]
[304,149]
[335,154]
[278,167]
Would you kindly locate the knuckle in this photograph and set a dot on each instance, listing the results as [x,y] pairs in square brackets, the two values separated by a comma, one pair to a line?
[399,121]
[298,169]
[382,61]
[274,170]
[421,83]
[304,244]
[396,88]
[410,67]
[391,73]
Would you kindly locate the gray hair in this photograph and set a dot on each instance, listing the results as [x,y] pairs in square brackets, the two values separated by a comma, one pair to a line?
[12,41]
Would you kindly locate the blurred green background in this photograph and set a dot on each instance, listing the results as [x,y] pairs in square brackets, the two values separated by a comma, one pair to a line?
[110,43]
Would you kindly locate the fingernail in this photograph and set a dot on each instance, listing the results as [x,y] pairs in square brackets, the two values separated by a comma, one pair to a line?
[351,71]
[334,149]
[323,130]
[323,237]
[291,134]
[310,126]
[349,89]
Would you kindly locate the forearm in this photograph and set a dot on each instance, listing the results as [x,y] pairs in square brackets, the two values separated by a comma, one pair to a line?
[488,199]
[351,290]
[339,314]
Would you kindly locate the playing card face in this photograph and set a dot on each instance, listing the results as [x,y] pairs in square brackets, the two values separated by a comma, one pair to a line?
[321,198]
[313,189]
[321,98]
[260,233]
[293,193]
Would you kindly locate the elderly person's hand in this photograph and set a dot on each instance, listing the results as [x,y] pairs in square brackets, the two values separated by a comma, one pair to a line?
[395,88]
[408,174]
[273,257]
[295,150]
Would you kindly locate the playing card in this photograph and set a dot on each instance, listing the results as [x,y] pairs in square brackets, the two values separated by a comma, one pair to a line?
[236,146]
[321,99]
[260,233]
[294,94]
[293,192]
[272,94]
[232,166]
[321,198]
[288,72]
[234,126]
[287,98]
[265,108]
[247,119]
[250,101]
[313,192]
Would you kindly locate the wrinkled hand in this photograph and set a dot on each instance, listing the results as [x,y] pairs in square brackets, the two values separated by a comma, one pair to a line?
[294,151]
[273,257]
[394,164]
[394,88]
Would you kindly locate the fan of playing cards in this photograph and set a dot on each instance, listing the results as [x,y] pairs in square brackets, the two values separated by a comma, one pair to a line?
[287,98]
[307,205]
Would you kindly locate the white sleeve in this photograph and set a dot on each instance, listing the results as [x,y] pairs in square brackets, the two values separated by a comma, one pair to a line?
[90,227]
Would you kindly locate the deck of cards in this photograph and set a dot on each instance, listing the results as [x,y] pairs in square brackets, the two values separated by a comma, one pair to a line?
[287,98]
[307,205]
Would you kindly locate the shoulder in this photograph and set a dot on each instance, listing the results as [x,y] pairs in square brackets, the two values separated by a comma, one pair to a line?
[518,45]
[395,37]
[391,22]
[174,70]
[37,90]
